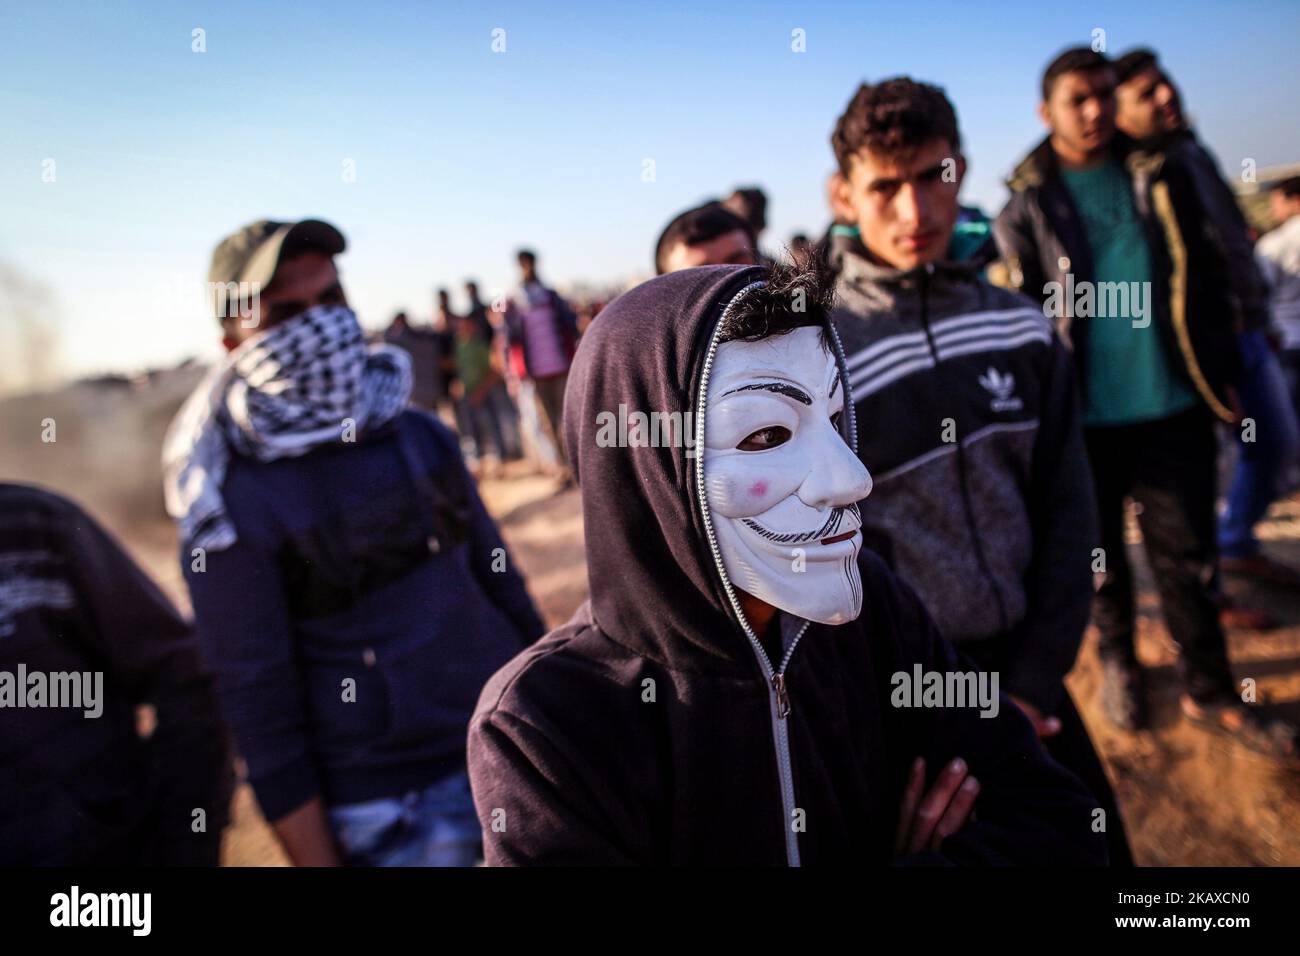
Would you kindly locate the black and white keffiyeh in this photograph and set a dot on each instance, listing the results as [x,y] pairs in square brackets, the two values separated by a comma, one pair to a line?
[304,383]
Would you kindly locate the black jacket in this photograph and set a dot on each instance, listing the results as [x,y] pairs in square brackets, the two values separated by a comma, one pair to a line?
[648,728]
[993,524]
[77,790]
[373,562]
[1229,229]
[1042,239]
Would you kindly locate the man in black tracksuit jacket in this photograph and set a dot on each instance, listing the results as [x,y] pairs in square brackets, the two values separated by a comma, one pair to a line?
[968,417]
[80,788]
[1149,425]
[656,727]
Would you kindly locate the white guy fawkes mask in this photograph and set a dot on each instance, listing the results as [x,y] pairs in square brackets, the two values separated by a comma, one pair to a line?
[781,482]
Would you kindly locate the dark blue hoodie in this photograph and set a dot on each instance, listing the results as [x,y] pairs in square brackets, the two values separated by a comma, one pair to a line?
[354,622]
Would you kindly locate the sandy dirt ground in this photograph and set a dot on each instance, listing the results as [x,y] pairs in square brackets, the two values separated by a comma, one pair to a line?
[1189,797]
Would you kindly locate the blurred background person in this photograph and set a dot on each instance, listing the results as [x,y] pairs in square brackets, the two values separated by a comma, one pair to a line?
[477,310]
[500,405]
[423,345]
[77,789]
[1279,260]
[750,204]
[1149,111]
[544,329]
[477,377]
[447,324]
[1084,208]
[706,235]
[799,246]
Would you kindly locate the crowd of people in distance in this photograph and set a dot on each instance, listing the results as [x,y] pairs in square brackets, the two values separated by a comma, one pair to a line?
[497,375]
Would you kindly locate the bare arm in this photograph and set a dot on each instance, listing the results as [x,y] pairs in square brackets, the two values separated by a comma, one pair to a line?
[305,834]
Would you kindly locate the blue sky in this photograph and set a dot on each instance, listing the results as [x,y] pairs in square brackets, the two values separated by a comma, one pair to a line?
[462,154]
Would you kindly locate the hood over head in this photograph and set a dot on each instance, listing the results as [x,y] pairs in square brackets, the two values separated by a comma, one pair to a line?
[655,584]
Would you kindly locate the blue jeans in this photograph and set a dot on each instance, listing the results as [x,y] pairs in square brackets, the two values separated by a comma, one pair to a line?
[436,826]
[1263,462]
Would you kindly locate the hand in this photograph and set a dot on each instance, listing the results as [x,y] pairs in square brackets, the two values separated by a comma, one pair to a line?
[1043,726]
[305,835]
[924,823]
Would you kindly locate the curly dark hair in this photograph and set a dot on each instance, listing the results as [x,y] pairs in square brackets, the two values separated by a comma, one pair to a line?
[778,306]
[894,118]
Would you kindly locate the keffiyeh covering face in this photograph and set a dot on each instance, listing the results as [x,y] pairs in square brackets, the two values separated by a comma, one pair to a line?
[304,383]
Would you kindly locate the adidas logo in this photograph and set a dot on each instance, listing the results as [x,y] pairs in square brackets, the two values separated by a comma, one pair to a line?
[1002,386]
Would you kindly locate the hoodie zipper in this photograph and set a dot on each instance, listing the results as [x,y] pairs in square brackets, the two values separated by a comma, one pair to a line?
[778,695]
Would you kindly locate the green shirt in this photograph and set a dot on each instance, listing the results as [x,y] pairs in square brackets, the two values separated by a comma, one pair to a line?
[473,362]
[1129,376]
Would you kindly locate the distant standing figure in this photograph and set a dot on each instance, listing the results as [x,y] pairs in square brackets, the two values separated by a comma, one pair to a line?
[544,325]
[1279,261]
[429,383]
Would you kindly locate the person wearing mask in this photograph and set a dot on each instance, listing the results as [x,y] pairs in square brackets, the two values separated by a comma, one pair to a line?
[350,590]
[729,693]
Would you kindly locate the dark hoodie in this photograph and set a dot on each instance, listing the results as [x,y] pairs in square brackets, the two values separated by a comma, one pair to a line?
[648,728]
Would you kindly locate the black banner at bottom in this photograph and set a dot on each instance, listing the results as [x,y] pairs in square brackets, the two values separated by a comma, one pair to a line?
[338,906]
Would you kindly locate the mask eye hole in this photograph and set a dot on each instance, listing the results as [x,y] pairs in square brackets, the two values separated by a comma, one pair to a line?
[765,438]
[836,419]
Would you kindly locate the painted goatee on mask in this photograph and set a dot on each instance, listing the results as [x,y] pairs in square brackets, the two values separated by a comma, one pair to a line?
[781,482]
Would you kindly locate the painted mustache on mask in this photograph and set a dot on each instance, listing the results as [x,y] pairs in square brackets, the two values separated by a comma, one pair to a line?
[828,532]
